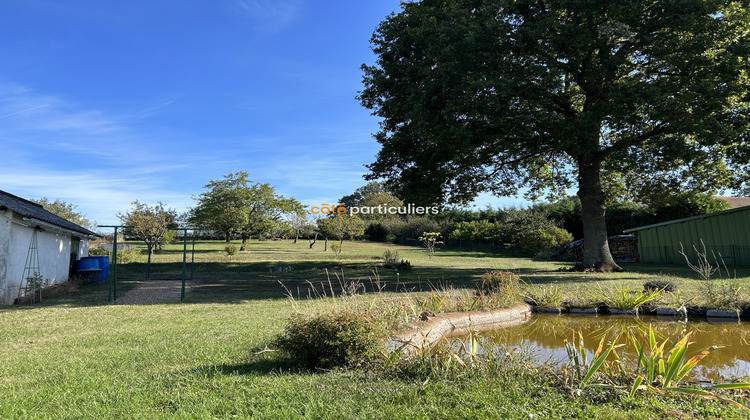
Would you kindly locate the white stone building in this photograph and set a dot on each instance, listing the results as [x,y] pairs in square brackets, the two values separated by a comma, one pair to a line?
[60,244]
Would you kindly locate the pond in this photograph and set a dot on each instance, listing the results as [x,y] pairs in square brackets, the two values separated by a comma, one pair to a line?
[544,338]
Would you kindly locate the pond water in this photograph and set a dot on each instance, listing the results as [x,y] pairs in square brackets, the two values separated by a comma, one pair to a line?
[544,338]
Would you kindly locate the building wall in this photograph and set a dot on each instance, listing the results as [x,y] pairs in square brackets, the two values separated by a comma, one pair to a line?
[54,256]
[4,257]
[725,234]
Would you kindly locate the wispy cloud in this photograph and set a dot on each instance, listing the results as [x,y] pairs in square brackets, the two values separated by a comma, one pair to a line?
[23,109]
[271,15]
[98,194]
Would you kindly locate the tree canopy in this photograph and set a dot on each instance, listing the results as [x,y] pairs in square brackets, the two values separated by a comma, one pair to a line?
[65,210]
[148,223]
[235,204]
[498,95]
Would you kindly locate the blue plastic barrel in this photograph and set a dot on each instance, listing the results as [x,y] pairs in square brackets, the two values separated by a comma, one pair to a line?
[104,265]
[87,263]
[89,267]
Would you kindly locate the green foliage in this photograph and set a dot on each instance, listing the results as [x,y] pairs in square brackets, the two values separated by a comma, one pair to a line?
[340,339]
[478,231]
[544,296]
[628,299]
[376,232]
[336,248]
[430,240]
[128,255]
[66,211]
[166,238]
[231,250]
[341,226]
[581,372]
[149,223]
[372,188]
[499,283]
[390,258]
[433,303]
[237,205]
[613,96]
[540,240]
[622,215]
[96,251]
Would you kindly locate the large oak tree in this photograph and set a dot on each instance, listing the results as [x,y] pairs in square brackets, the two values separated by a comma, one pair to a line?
[498,95]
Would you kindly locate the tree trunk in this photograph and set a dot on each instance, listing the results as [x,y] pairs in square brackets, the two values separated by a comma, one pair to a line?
[325,245]
[244,240]
[313,241]
[296,236]
[596,252]
[226,236]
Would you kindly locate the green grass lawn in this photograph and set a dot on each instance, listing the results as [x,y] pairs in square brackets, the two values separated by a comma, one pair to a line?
[75,356]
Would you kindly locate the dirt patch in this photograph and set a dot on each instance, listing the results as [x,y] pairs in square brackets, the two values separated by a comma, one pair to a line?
[153,291]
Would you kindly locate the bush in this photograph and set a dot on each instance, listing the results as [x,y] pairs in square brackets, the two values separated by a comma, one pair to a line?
[340,339]
[98,252]
[390,258]
[230,250]
[127,255]
[336,248]
[541,240]
[403,265]
[499,282]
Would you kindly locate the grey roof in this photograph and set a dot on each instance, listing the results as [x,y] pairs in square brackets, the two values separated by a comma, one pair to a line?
[35,211]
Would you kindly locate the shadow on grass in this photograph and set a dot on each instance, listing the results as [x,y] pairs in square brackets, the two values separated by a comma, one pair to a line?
[258,366]
[237,282]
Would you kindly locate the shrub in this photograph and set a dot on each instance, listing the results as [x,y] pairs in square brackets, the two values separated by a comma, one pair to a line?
[403,265]
[541,240]
[336,248]
[230,250]
[127,255]
[390,258]
[98,252]
[339,339]
[499,282]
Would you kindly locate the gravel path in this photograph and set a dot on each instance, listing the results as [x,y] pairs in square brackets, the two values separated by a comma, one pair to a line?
[153,291]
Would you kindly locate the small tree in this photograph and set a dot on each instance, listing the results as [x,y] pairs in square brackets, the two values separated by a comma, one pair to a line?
[430,240]
[149,223]
[342,227]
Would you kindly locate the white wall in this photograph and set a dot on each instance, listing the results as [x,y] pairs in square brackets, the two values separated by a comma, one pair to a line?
[4,257]
[54,256]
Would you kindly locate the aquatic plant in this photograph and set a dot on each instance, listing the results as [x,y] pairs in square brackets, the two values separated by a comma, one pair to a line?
[627,298]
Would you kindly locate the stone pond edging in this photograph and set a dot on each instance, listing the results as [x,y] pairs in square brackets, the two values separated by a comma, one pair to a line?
[687,313]
[435,327]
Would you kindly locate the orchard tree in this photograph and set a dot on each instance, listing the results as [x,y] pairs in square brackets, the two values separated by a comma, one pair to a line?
[496,95]
[65,210]
[237,205]
[341,226]
[149,223]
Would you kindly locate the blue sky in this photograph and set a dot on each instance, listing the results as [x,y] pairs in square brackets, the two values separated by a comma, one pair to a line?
[103,103]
